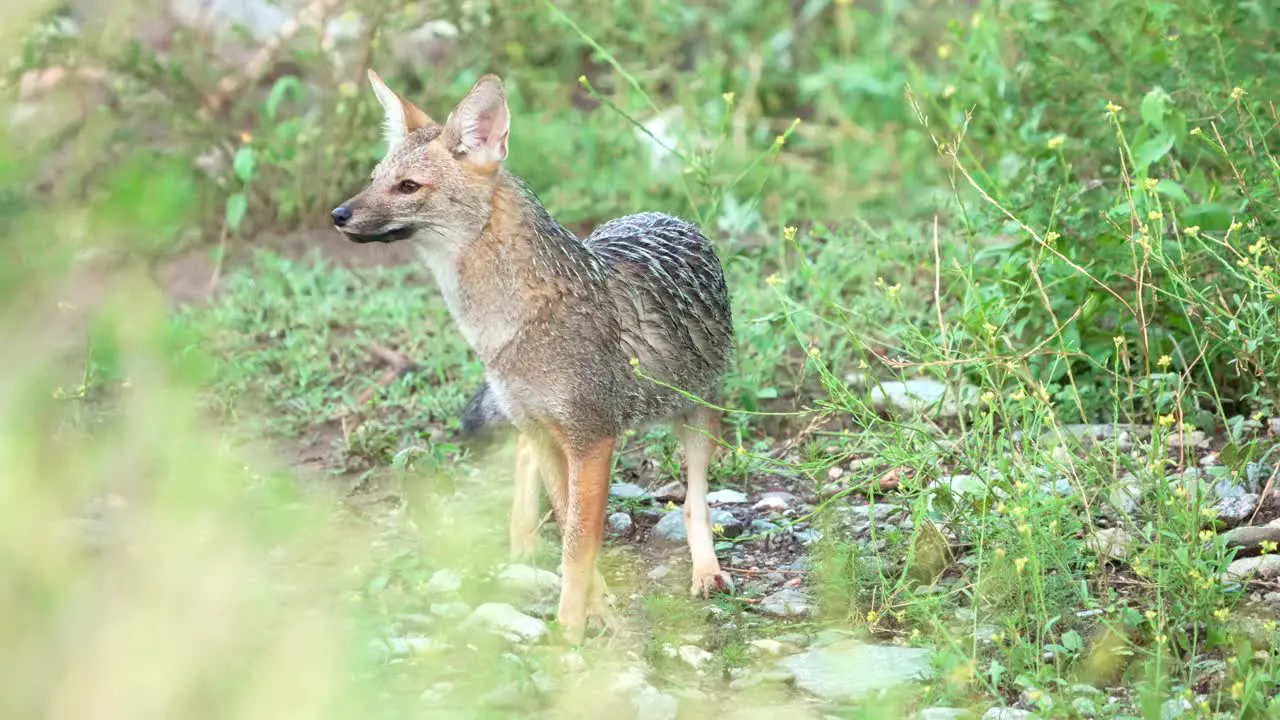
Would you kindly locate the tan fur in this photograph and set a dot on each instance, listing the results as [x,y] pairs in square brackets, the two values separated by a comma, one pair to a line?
[557,321]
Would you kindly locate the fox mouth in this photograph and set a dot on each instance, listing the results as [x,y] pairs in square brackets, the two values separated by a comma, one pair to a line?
[388,236]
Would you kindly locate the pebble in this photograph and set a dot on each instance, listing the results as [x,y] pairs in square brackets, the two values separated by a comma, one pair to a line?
[671,492]
[852,669]
[694,656]
[774,502]
[671,530]
[726,497]
[443,582]
[628,491]
[529,580]
[1261,567]
[1112,542]
[787,602]
[508,622]
[619,524]
[1007,714]
[659,572]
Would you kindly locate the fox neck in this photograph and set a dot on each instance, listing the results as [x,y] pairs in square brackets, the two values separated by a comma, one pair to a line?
[499,281]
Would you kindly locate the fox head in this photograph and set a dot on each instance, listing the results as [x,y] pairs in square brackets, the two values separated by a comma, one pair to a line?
[436,180]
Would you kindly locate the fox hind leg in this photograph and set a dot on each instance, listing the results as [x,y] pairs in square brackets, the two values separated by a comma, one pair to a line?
[707,574]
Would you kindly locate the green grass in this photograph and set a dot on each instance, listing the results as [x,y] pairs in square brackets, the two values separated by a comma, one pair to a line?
[1067,213]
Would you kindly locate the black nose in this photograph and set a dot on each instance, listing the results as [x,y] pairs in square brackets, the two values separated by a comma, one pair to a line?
[341,215]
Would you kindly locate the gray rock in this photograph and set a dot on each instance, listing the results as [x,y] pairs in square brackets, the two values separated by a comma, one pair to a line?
[1113,543]
[529,580]
[1126,496]
[1261,567]
[648,702]
[628,491]
[619,524]
[851,669]
[671,492]
[1250,537]
[920,395]
[776,501]
[670,530]
[1175,708]
[659,572]
[1007,714]
[508,622]
[1238,509]
[787,602]
[763,527]
[942,713]
[808,536]
[1256,476]
[443,582]
[726,497]
[694,656]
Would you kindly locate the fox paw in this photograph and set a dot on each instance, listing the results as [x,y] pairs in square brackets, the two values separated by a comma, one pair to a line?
[711,581]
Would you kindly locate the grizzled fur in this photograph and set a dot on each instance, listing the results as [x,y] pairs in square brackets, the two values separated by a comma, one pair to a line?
[655,283]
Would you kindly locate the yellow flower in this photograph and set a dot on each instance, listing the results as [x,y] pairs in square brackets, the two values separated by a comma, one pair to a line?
[862,365]
[1270,626]
[1235,226]
[1206,535]
[814,352]
[1155,215]
[1196,131]
[741,450]
[988,397]
[872,617]
[773,280]
[1237,93]
[948,91]
[780,140]
[1164,361]
[1192,231]
[1118,340]
[944,52]
[635,362]
[1150,184]
[1024,528]
[1150,614]
[997,637]
[1237,689]
[1051,237]
[1113,108]
[1019,564]
[1268,546]
[1166,420]
[1018,395]
[246,137]
[789,233]
[1000,553]
[1056,142]
[728,98]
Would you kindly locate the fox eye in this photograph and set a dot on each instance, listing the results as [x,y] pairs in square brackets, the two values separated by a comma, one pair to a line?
[408,187]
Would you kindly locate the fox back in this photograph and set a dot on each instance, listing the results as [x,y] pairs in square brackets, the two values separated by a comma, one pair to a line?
[562,324]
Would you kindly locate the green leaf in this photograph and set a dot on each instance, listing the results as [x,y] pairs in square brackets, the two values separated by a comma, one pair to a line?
[237,206]
[1208,216]
[767,393]
[245,163]
[1151,151]
[285,86]
[1172,190]
[1154,108]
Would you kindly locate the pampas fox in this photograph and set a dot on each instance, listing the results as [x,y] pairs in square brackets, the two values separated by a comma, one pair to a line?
[558,321]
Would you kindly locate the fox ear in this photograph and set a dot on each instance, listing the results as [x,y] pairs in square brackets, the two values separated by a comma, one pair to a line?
[402,116]
[479,126]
